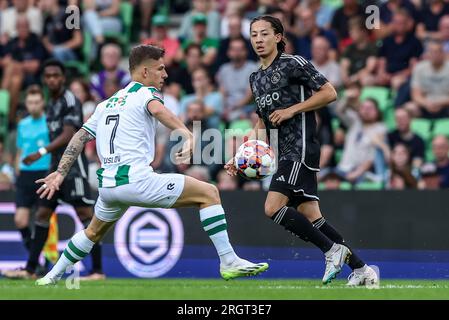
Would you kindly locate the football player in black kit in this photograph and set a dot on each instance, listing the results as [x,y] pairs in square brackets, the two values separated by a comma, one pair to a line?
[64,119]
[287,90]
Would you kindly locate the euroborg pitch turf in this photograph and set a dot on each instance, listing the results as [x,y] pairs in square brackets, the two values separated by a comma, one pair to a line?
[246,289]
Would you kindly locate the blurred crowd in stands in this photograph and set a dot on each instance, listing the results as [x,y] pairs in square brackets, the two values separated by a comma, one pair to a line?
[389,128]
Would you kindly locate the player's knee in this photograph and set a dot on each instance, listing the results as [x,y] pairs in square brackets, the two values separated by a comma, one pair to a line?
[20,222]
[271,209]
[213,195]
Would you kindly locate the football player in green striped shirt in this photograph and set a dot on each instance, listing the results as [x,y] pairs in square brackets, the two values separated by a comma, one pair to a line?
[124,127]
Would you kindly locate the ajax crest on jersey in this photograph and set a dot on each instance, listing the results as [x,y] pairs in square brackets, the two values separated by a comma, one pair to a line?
[255,160]
[275,78]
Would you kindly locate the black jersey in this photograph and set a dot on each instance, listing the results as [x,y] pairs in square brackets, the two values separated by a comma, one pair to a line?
[66,110]
[288,81]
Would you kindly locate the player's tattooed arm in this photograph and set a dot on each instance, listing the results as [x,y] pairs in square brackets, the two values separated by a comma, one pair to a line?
[73,150]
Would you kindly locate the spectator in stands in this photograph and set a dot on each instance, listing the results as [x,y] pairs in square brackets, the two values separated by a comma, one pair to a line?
[209,46]
[179,79]
[350,9]
[430,83]
[22,59]
[260,7]
[205,92]
[443,29]
[307,30]
[365,133]
[387,10]
[235,27]
[111,55]
[403,135]
[145,8]
[430,178]
[81,90]
[202,7]
[399,52]
[288,7]
[430,14]
[440,149]
[240,26]
[196,121]
[322,12]
[6,172]
[359,59]
[226,182]
[101,16]
[232,79]
[196,115]
[160,38]
[111,86]
[321,59]
[286,18]
[401,176]
[8,20]
[61,42]
[331,181]
[198,172]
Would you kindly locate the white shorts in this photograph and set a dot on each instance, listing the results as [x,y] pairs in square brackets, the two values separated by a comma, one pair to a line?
[155,191]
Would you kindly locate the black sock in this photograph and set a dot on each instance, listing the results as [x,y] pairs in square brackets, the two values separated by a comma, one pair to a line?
[354,261]
[26,237]
[297,224]
[95,253]
[37,244]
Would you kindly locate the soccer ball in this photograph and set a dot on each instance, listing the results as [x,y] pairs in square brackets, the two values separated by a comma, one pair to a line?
[255,160]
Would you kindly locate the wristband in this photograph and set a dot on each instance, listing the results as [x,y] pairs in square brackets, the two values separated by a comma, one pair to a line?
[42,151]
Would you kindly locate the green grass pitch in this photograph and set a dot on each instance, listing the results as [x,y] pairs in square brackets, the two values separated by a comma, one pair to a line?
[212,289]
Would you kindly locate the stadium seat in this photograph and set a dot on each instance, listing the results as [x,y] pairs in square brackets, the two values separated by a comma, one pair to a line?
[380,94]
[389,118]
[4,111]
[441,127]
[428,153]
[335,124]
[345,186]
[338,153]
[164,7]
[83,65]
[368,185]
[335,4]
[124,37]
[422,128]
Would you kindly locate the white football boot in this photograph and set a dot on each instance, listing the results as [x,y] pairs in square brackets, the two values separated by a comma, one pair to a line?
[365,276]
[336,257]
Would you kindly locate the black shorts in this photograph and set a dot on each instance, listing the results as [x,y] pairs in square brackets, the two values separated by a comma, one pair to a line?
[75,190]
[26,187]
[296,181]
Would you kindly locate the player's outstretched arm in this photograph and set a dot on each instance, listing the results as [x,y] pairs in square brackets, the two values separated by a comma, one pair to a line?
[52,182]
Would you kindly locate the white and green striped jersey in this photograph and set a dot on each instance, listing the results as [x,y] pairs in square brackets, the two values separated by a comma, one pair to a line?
[125,134]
